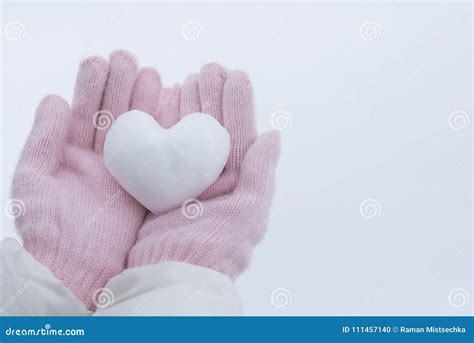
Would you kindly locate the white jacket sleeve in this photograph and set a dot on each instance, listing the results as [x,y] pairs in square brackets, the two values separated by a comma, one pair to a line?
[168,288]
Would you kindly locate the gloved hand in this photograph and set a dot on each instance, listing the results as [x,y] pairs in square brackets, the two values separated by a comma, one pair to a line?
[78,221]
[220,229]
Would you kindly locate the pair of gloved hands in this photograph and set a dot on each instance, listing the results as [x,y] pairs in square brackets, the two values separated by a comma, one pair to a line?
[85,228]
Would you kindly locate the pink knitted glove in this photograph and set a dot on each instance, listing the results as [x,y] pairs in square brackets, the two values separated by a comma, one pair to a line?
[220,230]
[78,221]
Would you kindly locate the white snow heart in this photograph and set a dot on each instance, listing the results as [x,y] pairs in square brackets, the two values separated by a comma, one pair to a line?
[162,168]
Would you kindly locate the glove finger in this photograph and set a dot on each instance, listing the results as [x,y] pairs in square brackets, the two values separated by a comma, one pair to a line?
[190,102]
[146,91]
[170,113]
[88,92]
[118,91]
[239,116]
[211,84]
[44,146]
[257,173]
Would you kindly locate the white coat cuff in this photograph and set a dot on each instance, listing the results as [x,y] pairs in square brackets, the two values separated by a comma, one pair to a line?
[165,289]
[30,288]
[170,289]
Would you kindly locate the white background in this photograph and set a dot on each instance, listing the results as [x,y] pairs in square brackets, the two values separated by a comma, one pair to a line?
[369,89]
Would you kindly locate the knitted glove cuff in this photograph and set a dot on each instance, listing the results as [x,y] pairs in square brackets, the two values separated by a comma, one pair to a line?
[226,259]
